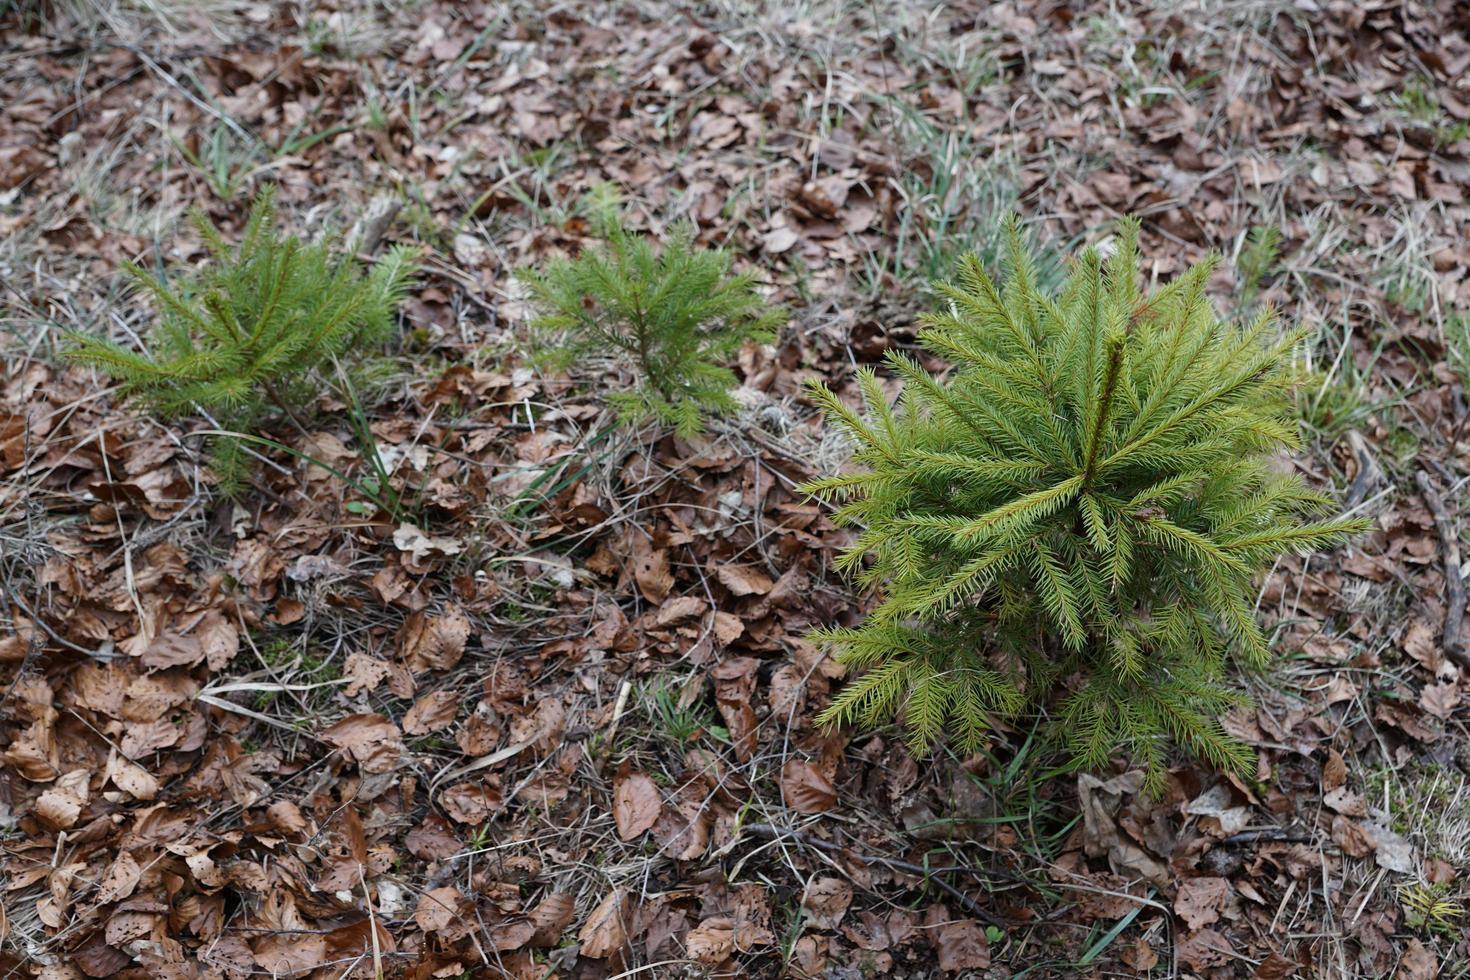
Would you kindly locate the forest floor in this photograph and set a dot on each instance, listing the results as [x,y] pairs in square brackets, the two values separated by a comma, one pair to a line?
[561,721]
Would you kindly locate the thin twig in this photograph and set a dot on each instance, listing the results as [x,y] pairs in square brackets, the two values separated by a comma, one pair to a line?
[771,832]
[1454,585]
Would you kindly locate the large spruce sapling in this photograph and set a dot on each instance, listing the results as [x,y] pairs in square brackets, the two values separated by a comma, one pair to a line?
[1075,516]
[251,336]
[673,314]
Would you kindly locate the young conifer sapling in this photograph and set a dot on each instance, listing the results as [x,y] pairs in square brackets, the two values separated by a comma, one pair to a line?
[1074,517]
[675,315]
[251,336]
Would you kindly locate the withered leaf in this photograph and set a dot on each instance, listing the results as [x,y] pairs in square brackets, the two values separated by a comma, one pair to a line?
[805,789]
[370,740]
[825,901]
[431,713]
[636,804]
[604,934]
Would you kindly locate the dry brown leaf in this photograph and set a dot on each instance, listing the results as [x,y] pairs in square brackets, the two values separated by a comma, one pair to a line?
[131,778]
[431,713]
[744,580]
[1200,901]
[551,916]
[734,684]
[805,789]
[370,740]
[712,941]
[825,901]
[1417,963]
[363,673]
[434,642]
[637,804]
[961,945]
[120,880]
[604,934]
[1274,967]
[1440,700]
[651,572]
[441,910]
[61,805]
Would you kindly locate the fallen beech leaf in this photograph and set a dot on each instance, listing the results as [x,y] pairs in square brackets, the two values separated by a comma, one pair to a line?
[1391,850]
[805,789]
[603,933]
[439,909]
[962,945]
[712,941]
[120,880]
[1275,967]
[1417,963]
[551,917]
[61,805]
[744,580]
[369,739]
[1101,801]
[434,642]
[679,609]
[1199,901]
[131,778]
[1440,700]
[431,713]
[286,817]
[825,901]
[363,673]
[432,840]
[636,804]
[173,650]
[420,547]
[651,572]
[734,684]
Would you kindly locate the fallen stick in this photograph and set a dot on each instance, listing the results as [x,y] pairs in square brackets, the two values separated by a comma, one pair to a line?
[1454,585]
[770,832]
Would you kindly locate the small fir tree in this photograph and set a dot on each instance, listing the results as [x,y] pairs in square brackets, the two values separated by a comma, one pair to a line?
[252,335]
[1074,516]
[672,314]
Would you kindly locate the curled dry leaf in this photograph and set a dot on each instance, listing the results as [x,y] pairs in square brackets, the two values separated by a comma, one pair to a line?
[636,804]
